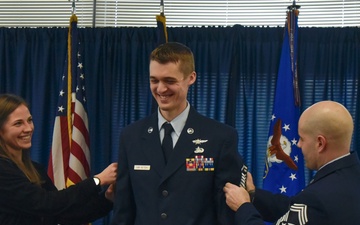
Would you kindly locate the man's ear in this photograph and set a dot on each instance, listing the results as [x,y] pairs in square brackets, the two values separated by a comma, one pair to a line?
[192,77]
[321,143]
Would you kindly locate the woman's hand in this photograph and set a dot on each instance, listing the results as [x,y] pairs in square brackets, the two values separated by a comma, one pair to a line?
[108,175]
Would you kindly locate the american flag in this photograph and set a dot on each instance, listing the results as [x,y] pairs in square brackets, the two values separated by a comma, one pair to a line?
[69,160]
[284,168]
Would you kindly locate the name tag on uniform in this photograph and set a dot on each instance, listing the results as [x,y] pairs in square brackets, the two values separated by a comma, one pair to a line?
[141,167]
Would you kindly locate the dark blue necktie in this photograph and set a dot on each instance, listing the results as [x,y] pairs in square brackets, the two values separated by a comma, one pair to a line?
[167,143]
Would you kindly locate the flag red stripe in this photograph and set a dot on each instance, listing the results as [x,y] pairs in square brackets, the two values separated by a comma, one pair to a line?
[79,123]
[65,143]
[50,168]
[79,153]
[73,176]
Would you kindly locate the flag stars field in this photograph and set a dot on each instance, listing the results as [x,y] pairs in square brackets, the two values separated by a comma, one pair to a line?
[282,189]
[293,176]
[273,117]
[61,109]
[286,127]
[296,158]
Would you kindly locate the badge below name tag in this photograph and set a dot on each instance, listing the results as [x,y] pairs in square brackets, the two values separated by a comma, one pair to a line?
[141,167]
[199,163]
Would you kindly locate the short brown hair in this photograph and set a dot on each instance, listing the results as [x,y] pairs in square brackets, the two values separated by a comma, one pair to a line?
[175,52]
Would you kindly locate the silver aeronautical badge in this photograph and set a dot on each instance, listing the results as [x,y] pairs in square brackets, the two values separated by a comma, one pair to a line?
[150,130]
[199,150]
[199,141]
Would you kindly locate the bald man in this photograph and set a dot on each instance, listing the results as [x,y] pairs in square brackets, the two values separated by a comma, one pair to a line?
[332,197]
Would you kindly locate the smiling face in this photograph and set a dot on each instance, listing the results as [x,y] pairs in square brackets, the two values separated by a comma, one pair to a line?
[172,72]
[17,130]
[169,87]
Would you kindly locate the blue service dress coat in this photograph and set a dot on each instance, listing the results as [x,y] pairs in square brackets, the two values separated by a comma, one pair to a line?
[188,189]
[332,198]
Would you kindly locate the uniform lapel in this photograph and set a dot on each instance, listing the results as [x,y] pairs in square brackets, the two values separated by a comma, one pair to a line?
[152,145]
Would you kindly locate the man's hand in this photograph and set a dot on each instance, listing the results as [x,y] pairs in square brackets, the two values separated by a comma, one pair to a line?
[235,196]
[250,187]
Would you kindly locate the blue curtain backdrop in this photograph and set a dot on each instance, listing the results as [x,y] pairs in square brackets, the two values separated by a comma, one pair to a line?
[236,66]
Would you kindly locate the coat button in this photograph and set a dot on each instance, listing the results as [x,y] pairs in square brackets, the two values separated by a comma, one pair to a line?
[165,193]
[163,215]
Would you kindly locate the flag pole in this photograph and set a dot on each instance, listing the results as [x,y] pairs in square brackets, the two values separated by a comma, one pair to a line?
[162,38]
[162,13]
[69,162]
[293,6]
[73,7]
[293,12]
[161,25]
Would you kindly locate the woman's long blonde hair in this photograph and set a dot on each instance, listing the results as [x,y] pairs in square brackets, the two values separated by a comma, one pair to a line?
[8,104]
